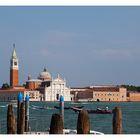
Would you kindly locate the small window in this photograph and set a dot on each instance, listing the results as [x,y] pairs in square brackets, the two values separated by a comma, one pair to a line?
[15,63]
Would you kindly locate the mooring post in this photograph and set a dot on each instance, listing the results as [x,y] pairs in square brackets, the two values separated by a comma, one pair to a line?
[26,113]
[56,126]
[22,119]
[117,121]
[11,120]
[62,107]
[20,100]
[83,123]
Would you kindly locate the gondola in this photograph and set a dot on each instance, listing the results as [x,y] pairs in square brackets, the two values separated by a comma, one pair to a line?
[57,107]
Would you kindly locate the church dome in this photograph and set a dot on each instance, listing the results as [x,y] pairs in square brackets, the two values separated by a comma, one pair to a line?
[45,75]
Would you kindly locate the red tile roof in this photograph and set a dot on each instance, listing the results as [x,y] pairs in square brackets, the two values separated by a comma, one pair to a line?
[109,89]
[13,90]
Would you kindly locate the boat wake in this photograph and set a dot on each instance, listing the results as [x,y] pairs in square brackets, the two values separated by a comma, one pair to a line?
[2,106]
[40,107]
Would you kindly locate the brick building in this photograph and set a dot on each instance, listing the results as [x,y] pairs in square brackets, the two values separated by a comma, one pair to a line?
[133,96]
[100,93]
[81,94]
[109,93]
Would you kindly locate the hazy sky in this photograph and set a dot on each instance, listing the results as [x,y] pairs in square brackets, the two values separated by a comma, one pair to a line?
[85,45]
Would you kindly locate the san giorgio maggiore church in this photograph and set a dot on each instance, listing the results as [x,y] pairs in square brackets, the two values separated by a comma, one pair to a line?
[50,88]
[44,88]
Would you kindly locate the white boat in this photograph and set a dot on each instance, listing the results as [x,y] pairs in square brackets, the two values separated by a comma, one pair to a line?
[66,131]
[71,131]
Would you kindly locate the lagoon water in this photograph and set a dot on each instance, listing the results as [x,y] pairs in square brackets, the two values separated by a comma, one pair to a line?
[40,118]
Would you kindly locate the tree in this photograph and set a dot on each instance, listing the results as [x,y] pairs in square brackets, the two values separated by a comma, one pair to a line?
[132,88]
[5,86]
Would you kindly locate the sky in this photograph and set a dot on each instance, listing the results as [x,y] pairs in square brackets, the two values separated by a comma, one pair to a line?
[93,45]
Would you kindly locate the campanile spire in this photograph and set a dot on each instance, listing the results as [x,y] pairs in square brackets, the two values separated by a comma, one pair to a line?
[14,55]
[14,68]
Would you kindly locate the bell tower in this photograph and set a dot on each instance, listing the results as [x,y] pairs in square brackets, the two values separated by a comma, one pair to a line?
[14,69]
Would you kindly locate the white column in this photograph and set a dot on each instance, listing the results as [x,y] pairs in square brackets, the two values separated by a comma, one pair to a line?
[54,91]
[51,91]
[45,94]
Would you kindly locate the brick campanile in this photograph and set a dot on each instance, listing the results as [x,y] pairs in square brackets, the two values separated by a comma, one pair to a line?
[14,74]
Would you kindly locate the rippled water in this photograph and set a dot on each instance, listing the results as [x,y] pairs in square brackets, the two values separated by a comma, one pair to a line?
[40,118]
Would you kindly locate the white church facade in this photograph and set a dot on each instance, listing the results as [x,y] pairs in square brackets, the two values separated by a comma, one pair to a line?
[56,89]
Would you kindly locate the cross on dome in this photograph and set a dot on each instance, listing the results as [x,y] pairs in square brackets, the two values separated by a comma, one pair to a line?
[45,69]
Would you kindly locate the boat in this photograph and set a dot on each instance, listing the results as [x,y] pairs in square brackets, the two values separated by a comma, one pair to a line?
[71,131]
[91,111]
[102,111]
[76,109]
[58,107]
[66,131]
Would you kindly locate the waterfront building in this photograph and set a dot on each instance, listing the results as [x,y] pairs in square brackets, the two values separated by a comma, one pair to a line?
[109,93]
[14,69]
[56,89]
[100,93]
[133,96]
[7,95]
[81,94]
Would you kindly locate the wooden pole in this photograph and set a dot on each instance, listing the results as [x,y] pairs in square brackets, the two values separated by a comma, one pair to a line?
[11,120]
[83,123]
[26,113]
[56,126]
[62,107]
[22,119]
[117,121]
[19,101]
